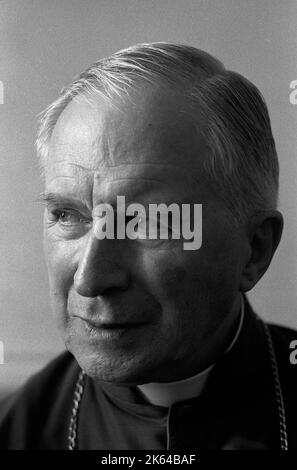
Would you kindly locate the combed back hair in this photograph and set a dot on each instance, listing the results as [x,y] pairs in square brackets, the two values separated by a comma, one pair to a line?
[242,164]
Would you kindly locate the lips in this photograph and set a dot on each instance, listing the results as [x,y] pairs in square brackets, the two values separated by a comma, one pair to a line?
[112,325]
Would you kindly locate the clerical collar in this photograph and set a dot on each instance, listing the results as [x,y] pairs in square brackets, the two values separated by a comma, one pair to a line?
[167,393]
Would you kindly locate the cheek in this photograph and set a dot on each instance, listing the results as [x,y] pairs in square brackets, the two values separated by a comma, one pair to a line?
[166,276]
[61,269]
[187,281]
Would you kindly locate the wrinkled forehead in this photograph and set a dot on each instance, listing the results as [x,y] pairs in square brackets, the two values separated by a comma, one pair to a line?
[148,127]
[148,141]
[127,179]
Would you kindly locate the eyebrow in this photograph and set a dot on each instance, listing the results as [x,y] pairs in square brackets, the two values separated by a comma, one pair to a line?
[54,198]
[58,199]
[48,197]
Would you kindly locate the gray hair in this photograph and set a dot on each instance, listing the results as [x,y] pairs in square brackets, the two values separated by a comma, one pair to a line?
[242,164]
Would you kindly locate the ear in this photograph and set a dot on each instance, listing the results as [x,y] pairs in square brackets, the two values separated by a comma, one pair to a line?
[264,233]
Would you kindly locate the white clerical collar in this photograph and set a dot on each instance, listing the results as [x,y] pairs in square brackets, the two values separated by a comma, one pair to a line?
[167,393]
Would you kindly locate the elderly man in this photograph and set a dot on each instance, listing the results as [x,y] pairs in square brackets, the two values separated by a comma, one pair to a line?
[165,351]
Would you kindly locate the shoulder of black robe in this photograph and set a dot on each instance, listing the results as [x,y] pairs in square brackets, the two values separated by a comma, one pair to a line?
[37,415]
[239,408]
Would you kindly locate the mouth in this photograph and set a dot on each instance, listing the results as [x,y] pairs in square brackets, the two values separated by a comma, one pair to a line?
[112,325]
[109,330]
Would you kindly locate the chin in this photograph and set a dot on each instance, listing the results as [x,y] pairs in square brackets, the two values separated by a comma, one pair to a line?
[119,369]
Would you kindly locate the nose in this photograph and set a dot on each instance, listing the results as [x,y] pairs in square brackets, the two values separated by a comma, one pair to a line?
[100,270]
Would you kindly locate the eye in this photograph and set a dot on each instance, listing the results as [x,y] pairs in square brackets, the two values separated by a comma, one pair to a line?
[67,217]
[160,231]
[141,227]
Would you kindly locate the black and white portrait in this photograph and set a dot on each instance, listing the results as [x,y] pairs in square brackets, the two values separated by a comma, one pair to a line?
[148,225]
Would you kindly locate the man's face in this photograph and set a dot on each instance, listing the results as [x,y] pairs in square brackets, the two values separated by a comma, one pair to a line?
[136,311]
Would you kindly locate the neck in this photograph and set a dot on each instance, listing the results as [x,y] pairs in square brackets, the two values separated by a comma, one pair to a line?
[167,393]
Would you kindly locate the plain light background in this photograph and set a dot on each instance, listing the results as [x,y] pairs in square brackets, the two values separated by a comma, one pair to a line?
[43,45]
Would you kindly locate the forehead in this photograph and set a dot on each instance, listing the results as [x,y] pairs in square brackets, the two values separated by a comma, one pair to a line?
[149,136]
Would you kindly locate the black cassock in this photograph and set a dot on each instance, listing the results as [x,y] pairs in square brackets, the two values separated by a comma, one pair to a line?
[241,407]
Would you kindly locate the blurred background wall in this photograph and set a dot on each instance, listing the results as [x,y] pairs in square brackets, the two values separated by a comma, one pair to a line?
[43,44]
